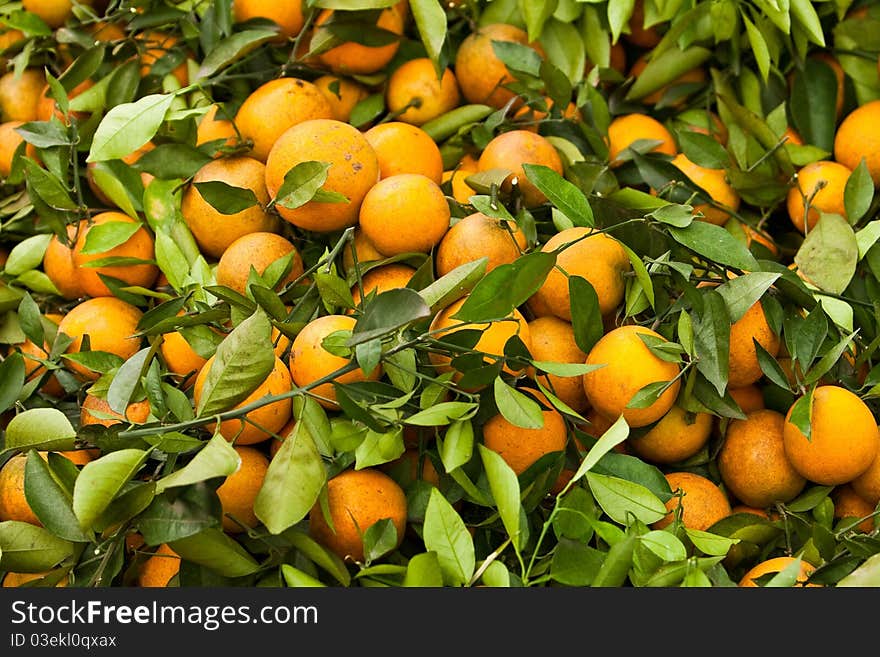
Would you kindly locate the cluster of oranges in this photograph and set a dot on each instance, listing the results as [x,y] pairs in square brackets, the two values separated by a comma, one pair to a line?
[404,198]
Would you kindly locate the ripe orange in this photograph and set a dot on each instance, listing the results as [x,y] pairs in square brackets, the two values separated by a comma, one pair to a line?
[287,15]
[9,38]
[351,58]
[714,183]
[857,137]
[20,94]
[180,357]
[343,93]
[775,565]
[379,279]
[111,325]
[481,75]
[58,265]
[598,258]
[212,128]
[625,129]
[459,187]
[629,366]
[239,490]
[159,568]
[10,140]
[636,33]
[354,169]
[259,424]
[521,447]
[676,437]
[310,361]
[867,484]
[510,150]
[258,250]
[404,213]
[552,339]
[702,501]
[476,236]
[95,410]
[47,107]
[404,148]
[748,397]
[492,340]
[53,12]
[356,500]
[361,247]
[156,45]
[843,442]
[13,504]
[752,461]
[140,245]
[822,184]
[743,366]
[415,94]
[275,106]
[849,504]
[215,231]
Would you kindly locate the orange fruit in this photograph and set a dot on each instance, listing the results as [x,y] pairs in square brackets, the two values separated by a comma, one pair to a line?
[9,38]
[849,504]
[275,106]
[743,365]
[259,424]
[694,75]
[20,94]
[476,236]
[416,94]
[159,568]
[821,184]
[111,325]
[867,484]
[843,441]
[458,185]
[356,500]
[636,33]
[552,340]
[596,257]
[629,366]
[58,265]
[361,247]
[287,15]
[752,461]
[482,76]
[714,183]
[404,213]
[53,13]
[33,354]
[776,565]
[310,361]
[156,45]
[10,140]
[404,148]
[215,231]
[379,279]
[352,58]
[792,137]
[748,397]
[520,447]
[625,129]
[702,501]
[703,121]
[238,492]
[140,245]
[857,137]
[212,128]
[491,342]
[354,169]
[343,94]
[676,437]
[510,150]
[13,504]
[95,410]
[47,107]
[180,357]
[258,250]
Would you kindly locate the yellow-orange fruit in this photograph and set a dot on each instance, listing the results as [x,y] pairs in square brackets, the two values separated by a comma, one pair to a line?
[702,501]
[238,492]
[476,236]
[511,150]
[821,183]
[776,565]
[677,436]
[552,340]
[743,365]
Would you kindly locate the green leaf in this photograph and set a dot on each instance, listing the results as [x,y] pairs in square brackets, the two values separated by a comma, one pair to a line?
[378,448]
[802,412]
[857,194]
[828,360]
[564,48]
[217,551]
[586,319]
[622,499]
[126,380]
[759,48]
[742,292]
[613,436]
[445,533]
[295,578]
[829,254]
[457,445]
[712,340]
[293,482]
[27,254]
[516,407]
[570,200]
[26,548]
[716,244]
[128,126]
[303,183]
[441,414]
[101,480]
[40,429]
[47,186]
[710,544]
[666,68]
[430,19]
[49,501]
[318,555]
[703,150]
[216,459]
[12,373]
[423,570]
[232,49]
[241,363]
[225,198]
[449,288]
[387,312]
[665,545]
[865,575]
[813,103]
[504,485]
[805,14]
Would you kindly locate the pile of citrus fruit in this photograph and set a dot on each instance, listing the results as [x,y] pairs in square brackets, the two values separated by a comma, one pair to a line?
[406,293]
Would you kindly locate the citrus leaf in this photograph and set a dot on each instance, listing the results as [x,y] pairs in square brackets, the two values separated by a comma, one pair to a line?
[216,458]
[620,498]
[26,548]
[49,501]
[216,551]
[562,193]
[101,480]
[445,533]
[128,126]
[41,429]
[232,49]
[829,254]
[504,485]
[516,407]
